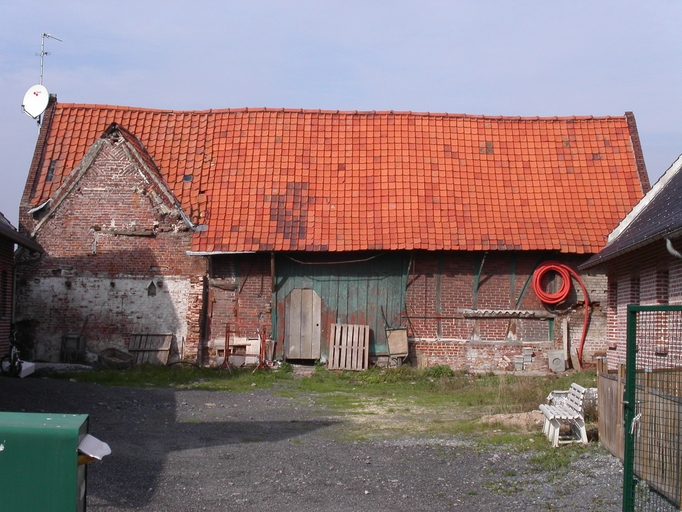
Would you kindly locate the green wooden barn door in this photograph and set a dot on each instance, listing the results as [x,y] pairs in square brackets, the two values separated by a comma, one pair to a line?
[362,290]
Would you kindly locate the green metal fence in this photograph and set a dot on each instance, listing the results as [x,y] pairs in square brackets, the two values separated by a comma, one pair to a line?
[653,409]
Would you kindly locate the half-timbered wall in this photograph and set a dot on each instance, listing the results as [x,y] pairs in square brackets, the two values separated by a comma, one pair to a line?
[476,311]
[450,319]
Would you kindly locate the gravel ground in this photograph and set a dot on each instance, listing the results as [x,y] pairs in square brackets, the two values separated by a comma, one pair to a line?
[188,450]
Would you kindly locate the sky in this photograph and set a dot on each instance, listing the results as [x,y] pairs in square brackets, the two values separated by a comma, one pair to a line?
[482,57]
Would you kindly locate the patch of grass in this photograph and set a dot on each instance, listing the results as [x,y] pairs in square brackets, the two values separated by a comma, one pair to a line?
[511,440]
[504,487]
[180,377]
[434,401]
[286,367]
[438,386]
[550,459]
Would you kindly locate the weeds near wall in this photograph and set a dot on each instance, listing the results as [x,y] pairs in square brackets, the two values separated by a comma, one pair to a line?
[434,401]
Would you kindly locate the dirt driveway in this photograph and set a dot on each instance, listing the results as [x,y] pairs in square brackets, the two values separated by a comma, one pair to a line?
[188,450]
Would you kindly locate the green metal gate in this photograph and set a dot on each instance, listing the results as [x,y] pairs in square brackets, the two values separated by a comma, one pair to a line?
[653,409]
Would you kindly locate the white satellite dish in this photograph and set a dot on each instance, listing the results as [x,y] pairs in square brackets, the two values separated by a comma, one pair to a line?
[35,100]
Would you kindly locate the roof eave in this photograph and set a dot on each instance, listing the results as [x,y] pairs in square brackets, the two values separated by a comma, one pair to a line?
[21,240]
[217,253]
[597,260]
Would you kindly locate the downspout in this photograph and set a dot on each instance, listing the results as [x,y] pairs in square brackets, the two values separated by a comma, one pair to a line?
[671,249]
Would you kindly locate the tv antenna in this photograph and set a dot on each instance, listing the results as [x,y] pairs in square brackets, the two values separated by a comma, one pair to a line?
[42,53]
[37,97]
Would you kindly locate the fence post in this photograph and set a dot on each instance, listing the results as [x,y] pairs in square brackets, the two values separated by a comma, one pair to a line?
[621,398]
[629,410]
[601,393]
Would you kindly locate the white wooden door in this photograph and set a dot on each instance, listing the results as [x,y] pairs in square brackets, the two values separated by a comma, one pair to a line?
[303,314]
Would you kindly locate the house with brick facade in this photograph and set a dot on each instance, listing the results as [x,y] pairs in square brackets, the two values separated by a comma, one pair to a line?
[9,238]
[644,266]
[212,226]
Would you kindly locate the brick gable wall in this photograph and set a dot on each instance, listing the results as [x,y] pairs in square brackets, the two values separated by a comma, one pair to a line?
[115,264]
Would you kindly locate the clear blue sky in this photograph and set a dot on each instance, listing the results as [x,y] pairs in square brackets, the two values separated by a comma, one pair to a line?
[488,57]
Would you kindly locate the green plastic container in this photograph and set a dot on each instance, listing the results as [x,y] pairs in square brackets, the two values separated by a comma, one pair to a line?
[39,468]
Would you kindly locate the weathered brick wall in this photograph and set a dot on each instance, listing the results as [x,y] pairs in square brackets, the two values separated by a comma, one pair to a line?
[196,306]
[648,276]
[675,282]
[446,330]
[106,310]
[240,296]
[6,268]
[115,264]
[440,288]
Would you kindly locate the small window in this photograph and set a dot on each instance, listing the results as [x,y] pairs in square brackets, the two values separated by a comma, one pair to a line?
[50,170]
[151,290]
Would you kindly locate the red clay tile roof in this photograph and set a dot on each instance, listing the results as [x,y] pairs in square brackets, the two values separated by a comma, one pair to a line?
[302,180]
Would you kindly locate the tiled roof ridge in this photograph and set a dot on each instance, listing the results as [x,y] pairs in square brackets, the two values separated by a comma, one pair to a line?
[338,112]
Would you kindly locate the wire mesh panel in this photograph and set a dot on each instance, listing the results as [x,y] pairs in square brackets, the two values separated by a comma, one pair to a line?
[653,409]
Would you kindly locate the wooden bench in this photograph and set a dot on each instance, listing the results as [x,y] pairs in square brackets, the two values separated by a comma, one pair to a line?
[570,413]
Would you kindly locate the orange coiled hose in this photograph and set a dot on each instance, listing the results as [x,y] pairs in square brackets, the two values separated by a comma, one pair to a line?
[562,294]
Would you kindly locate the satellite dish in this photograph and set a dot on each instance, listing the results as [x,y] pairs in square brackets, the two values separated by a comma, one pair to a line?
[35,100]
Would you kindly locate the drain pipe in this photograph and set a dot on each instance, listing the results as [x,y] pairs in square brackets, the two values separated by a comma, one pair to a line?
[671,249]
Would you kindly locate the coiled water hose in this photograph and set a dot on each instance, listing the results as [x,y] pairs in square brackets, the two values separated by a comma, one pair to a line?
[565,272]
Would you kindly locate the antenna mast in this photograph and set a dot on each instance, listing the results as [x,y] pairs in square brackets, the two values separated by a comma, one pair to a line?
[43,52]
